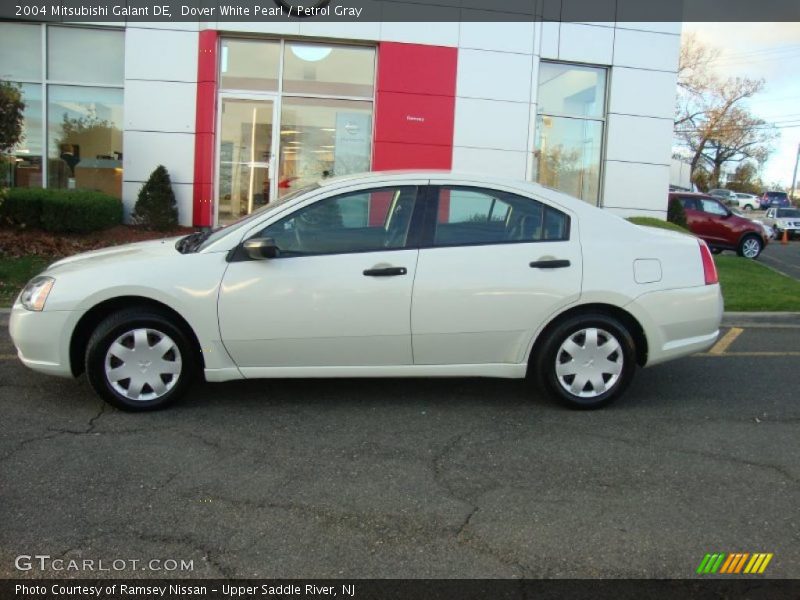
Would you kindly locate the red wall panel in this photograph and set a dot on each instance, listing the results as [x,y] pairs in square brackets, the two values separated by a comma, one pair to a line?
[415,119]
[396,155]
[417,68]
[205,124]
[414,107]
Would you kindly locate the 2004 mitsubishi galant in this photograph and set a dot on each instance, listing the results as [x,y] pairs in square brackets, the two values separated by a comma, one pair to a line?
[380,275]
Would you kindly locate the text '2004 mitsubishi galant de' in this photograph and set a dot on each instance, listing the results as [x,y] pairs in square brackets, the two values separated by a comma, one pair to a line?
[422,274]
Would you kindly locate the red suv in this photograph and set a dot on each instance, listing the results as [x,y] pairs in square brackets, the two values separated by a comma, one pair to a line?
[722,230]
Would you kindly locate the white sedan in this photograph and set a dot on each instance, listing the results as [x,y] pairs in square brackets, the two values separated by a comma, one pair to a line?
[406,274]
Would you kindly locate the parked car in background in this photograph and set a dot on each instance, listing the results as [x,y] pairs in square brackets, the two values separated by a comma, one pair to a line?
[783,219]
[769,232]
[747,201]
[409,274]
[727,196]
[775,199]
[721,229]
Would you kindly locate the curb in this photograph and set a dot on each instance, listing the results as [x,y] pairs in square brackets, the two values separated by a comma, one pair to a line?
[761,319]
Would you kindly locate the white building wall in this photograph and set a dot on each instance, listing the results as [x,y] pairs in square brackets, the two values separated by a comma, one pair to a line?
[643,61]
[495,104]
[160,101]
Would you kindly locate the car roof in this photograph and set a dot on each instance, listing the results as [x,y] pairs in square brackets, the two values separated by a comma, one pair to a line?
[457,178]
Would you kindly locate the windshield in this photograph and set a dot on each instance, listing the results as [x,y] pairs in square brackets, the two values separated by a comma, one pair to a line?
[777,195]
[790,213]
[220,232]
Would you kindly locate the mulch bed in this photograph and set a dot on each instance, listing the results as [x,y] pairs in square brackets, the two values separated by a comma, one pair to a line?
[15,243]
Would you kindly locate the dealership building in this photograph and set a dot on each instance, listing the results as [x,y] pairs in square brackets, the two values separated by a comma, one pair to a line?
[242,113]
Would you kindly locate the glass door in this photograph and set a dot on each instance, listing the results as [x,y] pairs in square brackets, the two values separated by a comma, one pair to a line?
[245,156]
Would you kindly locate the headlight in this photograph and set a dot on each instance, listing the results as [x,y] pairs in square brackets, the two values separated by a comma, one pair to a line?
[35,293]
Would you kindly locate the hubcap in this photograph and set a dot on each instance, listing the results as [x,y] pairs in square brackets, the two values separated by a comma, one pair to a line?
[589,362]
[143,364]
[751,248]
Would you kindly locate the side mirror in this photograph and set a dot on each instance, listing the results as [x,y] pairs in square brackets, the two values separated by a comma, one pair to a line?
[261,248]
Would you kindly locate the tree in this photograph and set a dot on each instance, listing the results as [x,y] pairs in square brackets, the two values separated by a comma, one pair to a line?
[11,116]
[712,119]
[156,207]
[745,179]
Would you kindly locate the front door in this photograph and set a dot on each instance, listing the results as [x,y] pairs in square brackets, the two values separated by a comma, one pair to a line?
[245,165]
[339,294]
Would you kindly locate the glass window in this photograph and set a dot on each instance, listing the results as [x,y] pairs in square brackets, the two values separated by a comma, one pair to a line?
[85,55]
[572,90]
[20,52]
[245,152]
[362,221]
[328,70]
[24,169]
[84,131]
[321,138]
[569,129]
[478,216]
[249,65]
[567,155]
[713,207]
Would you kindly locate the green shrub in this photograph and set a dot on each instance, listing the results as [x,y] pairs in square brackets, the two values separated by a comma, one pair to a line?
[676,214]
[156,206]
[80,211]
[60,211]
[657,223]
[22,208]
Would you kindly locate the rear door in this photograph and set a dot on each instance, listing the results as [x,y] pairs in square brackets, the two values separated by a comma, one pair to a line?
[492,267]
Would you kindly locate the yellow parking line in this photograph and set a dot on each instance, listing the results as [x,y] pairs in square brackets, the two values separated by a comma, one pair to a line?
[726,341]
[8,356]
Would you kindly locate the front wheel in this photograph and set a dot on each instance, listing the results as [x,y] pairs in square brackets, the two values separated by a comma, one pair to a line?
[139,360]
[587,361]
[750,246]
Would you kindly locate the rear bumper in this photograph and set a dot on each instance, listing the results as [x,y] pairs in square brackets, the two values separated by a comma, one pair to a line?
[39,338]
[679,322]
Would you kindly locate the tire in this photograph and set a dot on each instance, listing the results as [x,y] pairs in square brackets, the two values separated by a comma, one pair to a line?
[747,208]
[750,246]
[151,386]
[574,336]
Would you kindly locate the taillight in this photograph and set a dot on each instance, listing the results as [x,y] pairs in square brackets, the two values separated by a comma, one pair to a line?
[709,267]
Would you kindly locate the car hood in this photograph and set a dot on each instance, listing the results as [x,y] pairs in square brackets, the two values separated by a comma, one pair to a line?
[117,254]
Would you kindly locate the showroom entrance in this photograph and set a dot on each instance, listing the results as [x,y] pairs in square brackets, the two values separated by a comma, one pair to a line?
[246,161]
[288,114]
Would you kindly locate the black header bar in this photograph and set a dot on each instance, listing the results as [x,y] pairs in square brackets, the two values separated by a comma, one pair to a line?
[422,11]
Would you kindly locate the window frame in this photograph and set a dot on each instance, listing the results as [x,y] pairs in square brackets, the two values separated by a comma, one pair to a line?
[536,113]
[412,238]
[431,215]
[45,82]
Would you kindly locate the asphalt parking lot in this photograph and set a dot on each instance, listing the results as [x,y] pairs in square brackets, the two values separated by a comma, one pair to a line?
[413,478]
[783,257]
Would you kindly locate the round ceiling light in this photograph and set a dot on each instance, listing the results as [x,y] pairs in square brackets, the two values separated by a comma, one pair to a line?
[310,52]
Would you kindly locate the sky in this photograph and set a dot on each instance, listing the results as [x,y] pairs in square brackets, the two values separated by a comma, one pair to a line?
[769,51]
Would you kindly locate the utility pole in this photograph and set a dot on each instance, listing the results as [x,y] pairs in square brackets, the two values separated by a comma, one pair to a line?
[794,175]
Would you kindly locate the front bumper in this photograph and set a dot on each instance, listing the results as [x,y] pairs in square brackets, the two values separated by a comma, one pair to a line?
[41,339]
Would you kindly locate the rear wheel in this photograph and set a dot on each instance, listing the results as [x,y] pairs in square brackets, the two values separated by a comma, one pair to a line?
[139,360]
[750,246]
[587,361]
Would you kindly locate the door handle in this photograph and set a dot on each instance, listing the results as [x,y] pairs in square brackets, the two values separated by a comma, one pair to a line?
[386,272]
[549,264]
